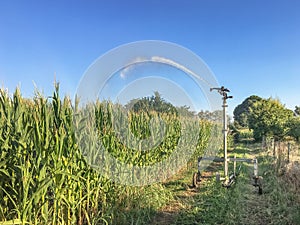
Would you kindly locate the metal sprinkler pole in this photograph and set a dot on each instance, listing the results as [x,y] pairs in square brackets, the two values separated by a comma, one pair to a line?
[225,131]
[223,91]
[228,180]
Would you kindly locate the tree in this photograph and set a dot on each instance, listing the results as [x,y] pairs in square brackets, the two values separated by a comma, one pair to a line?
[294,127]
[153,103]
[242,111]
[216,116]
[185,111]
[268,117]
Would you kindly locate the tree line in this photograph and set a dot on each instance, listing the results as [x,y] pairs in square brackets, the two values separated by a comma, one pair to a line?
[263,116]
[267,117]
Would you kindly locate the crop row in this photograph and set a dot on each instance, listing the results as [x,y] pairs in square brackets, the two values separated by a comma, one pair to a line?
[65,164]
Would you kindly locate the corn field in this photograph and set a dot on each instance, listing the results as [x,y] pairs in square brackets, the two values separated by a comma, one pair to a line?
[46,177]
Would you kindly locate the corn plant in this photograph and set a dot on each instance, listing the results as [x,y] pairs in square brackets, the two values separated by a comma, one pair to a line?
[48,148]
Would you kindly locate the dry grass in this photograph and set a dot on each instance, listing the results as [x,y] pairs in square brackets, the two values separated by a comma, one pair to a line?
[291,175]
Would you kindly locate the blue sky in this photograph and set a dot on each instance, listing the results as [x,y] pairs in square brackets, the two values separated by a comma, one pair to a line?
[253,47]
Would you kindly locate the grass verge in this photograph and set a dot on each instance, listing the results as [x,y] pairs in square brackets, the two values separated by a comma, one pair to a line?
[213,204]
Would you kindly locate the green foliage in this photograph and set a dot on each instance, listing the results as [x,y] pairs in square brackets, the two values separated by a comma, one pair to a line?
[294,127]
[268,117]
[241,204]
[155,135]
[242,112]
[265,117]
[154,103]
[245,135]
[216,116]
[185,111]
[45,178]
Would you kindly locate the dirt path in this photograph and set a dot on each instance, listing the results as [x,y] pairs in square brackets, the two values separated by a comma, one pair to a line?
[275,205]
[253,205]
[210,203]
[184,194]
[250,202]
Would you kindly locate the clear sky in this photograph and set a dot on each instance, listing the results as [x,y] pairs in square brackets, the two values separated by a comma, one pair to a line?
[252,46]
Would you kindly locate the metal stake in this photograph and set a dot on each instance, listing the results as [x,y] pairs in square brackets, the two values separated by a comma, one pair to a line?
[223,91]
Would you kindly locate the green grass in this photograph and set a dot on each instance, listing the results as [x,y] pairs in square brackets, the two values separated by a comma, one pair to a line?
[240,204]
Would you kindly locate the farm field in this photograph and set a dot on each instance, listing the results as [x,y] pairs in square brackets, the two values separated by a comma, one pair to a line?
[46,180]
[150,112]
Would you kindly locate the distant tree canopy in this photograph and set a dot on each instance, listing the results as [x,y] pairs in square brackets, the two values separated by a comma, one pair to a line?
[158,104]
[241,112]
[294,127]
[211,116]
[269,117]
[153,103]
[294,124]
[185,111]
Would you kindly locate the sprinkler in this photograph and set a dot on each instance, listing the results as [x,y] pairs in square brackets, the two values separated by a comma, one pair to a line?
[228,180]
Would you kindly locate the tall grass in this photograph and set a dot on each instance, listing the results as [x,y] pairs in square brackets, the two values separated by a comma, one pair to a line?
[45,177]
